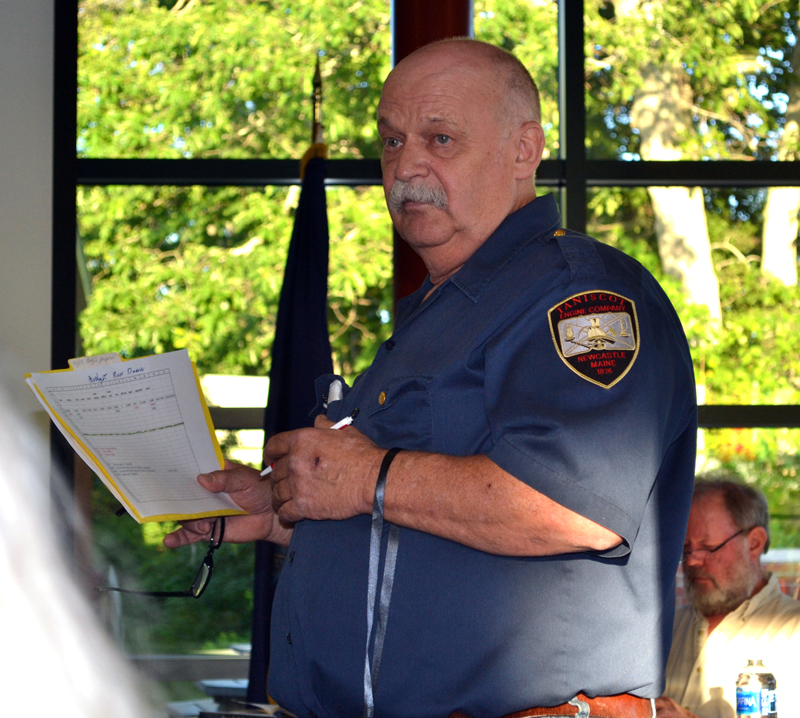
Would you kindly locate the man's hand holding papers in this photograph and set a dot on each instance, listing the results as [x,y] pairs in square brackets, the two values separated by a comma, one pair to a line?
[243,484]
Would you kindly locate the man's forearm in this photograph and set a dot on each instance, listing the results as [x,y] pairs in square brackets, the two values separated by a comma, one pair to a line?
[472,501]
[668,708]
[321,474]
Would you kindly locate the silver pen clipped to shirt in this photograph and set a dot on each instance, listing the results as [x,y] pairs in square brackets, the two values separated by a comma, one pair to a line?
[335,393]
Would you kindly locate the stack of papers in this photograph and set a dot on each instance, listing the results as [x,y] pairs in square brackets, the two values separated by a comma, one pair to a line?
[143,427]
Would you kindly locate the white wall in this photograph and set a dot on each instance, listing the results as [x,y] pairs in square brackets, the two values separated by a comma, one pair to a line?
[26,120]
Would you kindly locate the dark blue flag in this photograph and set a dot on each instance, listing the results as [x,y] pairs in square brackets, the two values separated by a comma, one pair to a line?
[300,353]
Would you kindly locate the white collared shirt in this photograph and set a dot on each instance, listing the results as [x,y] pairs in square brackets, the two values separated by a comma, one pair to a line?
[702,668]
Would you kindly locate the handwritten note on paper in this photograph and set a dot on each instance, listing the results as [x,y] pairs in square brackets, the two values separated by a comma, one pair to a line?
[97,360]
[144,424]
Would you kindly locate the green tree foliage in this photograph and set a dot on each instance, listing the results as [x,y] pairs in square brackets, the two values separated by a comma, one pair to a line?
[752,358]
[228,78]
[768,459]
[152,625]
[530,31]
[733,61]
[201,268]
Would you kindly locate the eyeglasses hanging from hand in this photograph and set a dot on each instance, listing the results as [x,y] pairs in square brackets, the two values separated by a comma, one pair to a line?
[201,580]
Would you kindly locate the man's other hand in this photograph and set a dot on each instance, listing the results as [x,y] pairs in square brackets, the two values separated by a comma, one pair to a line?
[245,487]
[322,474]
[668,708]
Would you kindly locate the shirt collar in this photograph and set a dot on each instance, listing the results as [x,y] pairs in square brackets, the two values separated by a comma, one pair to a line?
[535,219]
[515,231]
[752,604]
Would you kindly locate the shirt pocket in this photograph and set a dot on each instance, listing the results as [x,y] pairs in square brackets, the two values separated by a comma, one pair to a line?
[332,408]
[399,414]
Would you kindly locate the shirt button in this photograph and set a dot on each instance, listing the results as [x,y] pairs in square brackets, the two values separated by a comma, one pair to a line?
[289,638]
[382,398]
[390,345]
[559,233]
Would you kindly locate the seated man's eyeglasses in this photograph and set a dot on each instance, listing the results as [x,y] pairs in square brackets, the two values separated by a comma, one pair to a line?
[701,554]
[201,580]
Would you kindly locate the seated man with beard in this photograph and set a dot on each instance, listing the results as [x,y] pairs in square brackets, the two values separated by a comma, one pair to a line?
[736,613]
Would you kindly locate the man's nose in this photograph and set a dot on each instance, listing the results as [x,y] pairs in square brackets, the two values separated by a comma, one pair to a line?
[411,162]
[693,558]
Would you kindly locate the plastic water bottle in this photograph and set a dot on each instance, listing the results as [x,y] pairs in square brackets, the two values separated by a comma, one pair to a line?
[755,692]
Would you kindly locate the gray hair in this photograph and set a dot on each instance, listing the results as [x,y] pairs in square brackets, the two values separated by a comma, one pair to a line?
[747,505]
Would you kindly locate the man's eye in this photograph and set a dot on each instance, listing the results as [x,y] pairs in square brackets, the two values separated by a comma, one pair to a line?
[442,139]
[391,142]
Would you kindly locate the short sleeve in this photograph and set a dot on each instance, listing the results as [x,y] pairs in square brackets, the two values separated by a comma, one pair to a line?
[595,449]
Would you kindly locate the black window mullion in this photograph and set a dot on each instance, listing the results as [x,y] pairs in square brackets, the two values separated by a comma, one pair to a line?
[552,172]
[572,111]
[63,303]
[217,172]
[710,416]
[748,416]
[690,173]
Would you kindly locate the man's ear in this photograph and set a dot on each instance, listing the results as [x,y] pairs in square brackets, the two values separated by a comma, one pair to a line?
[757,540]
[530,147]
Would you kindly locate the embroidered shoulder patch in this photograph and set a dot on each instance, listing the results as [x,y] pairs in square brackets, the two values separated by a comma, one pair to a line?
[596,335]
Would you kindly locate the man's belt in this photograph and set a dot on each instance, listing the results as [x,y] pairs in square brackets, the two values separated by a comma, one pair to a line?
[623,705]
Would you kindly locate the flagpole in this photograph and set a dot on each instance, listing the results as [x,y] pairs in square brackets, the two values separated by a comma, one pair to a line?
[317,129]
[318,147]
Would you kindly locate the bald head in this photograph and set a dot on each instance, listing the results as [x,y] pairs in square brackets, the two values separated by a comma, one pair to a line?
[460,148]
[520,96]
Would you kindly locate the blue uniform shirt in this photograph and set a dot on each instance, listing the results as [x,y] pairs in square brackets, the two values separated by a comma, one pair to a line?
[562,360]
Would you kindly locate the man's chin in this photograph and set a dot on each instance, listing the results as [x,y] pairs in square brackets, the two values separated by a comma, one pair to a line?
[418,208]
[420,230]
[710,600]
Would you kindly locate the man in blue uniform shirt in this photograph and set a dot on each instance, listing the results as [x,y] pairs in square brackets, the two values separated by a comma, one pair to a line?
[540,391]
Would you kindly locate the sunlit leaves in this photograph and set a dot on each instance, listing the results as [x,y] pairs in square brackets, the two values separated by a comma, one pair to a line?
[734,61]
[201,268]
[229,78]
[530,31]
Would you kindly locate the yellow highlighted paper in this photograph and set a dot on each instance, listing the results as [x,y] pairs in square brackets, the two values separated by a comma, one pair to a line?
[143,426]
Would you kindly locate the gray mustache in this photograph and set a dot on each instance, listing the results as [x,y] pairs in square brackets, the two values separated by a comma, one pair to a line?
[408,192]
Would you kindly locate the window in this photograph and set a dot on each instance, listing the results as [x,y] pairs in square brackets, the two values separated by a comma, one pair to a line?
[191,117]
